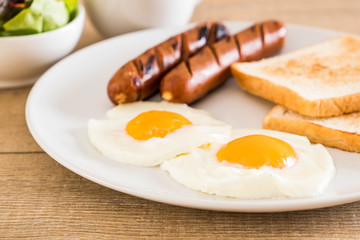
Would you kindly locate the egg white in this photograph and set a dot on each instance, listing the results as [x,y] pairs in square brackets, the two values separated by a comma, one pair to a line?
[308,177]
[111,139]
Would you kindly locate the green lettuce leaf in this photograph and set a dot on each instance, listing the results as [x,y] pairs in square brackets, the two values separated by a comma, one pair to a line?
[41,16]
[25,22]
[71,6]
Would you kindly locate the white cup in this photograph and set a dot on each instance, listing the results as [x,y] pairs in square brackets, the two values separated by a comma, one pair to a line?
[114,17]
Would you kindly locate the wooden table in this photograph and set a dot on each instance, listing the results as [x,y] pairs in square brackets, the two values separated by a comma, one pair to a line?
[40,199]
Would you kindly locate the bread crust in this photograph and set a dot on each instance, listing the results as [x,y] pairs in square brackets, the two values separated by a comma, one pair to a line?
[282,95]
[315,133]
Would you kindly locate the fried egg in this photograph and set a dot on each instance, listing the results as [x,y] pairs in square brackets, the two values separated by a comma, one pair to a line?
[147,133]
[255,164]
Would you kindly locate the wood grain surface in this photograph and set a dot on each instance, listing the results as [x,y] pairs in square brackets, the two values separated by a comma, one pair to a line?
[40,199]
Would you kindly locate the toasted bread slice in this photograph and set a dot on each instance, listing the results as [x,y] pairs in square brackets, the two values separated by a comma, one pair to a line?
[320,80]
[341,132]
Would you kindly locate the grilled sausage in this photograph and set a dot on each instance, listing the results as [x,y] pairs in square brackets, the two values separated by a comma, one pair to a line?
[140,78]
[206,70]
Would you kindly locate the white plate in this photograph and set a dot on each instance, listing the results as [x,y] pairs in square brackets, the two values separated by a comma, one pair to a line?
[74,90]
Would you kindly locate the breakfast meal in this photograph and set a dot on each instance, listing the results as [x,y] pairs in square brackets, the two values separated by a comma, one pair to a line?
[317,86]
[189,65]
[22,17]
[342,132]
[140,77]
[321,80]
[193,79]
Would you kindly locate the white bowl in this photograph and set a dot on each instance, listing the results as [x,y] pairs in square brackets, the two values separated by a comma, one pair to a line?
[25,58]
[114,17]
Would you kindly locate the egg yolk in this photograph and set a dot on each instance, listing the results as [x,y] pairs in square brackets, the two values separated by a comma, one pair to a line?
[155,124]
[255,151]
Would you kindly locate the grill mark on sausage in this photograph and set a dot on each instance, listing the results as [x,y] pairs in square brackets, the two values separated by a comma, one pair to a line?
[203,33]
[175,46]
[187,64]
[220,32]
[238,46]
[182,39]
[136,81]
[217,58]
[150,64]
[139,67]
[159,61]
[262,35]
